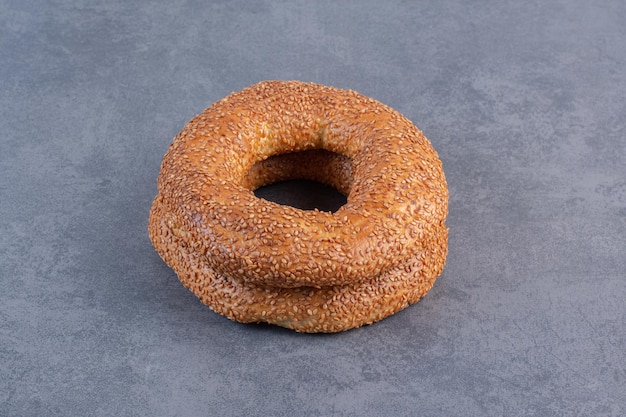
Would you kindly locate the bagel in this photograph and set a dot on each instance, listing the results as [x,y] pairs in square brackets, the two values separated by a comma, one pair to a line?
[254,260]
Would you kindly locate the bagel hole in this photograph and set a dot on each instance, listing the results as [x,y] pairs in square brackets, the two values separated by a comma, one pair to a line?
[307,180]
[303,195]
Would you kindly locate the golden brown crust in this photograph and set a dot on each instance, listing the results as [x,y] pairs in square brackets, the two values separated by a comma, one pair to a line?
[253,260]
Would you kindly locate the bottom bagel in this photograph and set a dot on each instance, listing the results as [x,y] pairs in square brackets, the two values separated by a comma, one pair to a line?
[303,309]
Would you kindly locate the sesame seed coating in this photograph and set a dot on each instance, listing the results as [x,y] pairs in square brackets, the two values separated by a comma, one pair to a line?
[253,260]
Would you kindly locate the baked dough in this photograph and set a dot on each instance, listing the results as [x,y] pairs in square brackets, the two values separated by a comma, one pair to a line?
[253,260]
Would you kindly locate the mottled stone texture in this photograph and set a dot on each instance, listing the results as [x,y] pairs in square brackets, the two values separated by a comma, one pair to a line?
[523,101]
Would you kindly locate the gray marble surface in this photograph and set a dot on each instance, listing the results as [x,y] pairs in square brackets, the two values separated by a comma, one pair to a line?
[525,103]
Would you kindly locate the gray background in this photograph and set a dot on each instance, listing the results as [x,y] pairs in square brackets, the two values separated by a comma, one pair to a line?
[525,103]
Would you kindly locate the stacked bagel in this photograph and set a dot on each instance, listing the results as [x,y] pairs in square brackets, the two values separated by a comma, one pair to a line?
[254,260]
